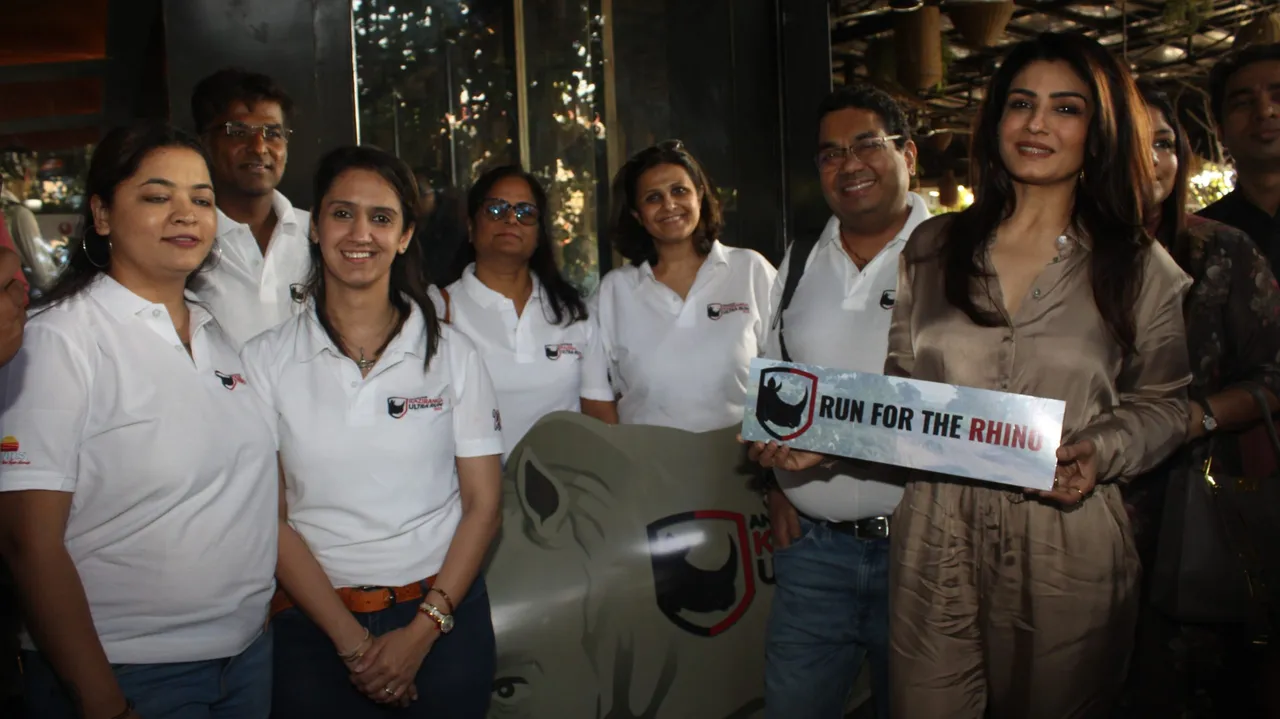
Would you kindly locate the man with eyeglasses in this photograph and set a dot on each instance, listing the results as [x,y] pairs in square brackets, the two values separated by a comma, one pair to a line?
[262,256]
[831,522]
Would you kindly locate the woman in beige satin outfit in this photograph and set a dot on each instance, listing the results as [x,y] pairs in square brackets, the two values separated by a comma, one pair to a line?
[1016,603]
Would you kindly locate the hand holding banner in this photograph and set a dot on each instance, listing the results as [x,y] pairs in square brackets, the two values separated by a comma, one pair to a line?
[975,433]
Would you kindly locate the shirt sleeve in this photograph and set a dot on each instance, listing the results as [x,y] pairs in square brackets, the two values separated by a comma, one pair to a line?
[257,357]
[44,408]
[601,308]
[1252,315]
[772,348]
[764,286]
[900,360]
[477,423]
[1150,420]
[595,366]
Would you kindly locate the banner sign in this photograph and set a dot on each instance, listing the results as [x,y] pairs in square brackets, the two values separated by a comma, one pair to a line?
[975,433]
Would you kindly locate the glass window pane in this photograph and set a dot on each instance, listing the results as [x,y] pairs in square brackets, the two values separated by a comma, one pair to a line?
[435,83]
[566,131]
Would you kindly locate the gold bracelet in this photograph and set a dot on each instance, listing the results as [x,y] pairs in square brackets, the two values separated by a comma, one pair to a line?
[354,653]
[448,600]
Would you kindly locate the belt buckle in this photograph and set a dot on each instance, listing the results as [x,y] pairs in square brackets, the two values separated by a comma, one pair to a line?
[872,528]
[391,594]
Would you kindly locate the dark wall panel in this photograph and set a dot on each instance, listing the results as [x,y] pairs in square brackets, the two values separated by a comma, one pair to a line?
[305,46]
[806,79]
[707,73]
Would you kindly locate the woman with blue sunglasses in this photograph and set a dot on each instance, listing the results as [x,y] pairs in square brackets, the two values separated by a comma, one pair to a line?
[530,324]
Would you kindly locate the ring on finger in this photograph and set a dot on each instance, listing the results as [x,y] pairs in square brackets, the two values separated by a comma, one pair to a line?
[1079,491]
[389,691]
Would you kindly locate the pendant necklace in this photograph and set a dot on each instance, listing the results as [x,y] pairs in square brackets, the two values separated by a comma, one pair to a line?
[365,364]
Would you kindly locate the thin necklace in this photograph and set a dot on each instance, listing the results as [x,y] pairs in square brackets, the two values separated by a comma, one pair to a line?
[363,364]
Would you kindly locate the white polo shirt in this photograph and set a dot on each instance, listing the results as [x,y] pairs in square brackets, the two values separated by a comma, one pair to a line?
[537,367]
[684,363]
[250,293]
[839,318]
[370,474]
[170,460]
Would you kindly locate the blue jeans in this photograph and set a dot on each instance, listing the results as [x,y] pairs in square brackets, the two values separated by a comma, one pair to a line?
[454,682]
[830,613]
[237,687]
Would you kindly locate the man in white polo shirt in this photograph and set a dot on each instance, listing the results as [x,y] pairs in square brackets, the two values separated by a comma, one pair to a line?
[830,523]
[262,255]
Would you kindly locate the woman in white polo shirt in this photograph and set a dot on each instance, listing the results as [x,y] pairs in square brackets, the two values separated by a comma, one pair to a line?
[681,323]
[530,324]
[137,510]
[390,486]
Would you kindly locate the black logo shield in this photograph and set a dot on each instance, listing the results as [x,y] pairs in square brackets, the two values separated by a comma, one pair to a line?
[713,310]
[297,292]
[887,299]
[786,419]
[702,601]
[397,407]
[553,351]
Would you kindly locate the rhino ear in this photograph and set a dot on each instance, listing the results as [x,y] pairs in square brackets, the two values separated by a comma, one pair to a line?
[543,498]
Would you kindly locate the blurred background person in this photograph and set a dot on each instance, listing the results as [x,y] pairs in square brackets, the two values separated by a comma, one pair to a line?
[1184,665]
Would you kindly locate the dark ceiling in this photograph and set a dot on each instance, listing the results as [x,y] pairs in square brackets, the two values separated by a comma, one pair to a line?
[1172,43]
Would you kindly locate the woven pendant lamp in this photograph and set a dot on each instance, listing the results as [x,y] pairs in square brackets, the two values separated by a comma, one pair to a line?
[948,189]
[981,23]
[917,36]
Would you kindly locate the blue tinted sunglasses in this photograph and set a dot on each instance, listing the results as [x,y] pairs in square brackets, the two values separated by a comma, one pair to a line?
[498,210]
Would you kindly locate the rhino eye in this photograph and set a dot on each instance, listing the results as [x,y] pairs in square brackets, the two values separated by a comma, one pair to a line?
[540,492]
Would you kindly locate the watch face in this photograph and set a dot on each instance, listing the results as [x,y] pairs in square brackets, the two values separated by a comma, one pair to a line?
[446,623]
[1210,423]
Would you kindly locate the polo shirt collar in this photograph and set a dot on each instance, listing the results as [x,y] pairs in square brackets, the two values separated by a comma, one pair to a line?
[124,304]
[286,217]
[313,341]
[716,257]
[917,214]
[488,298]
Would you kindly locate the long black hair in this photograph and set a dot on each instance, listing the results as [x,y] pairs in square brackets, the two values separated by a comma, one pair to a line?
[629,236]
[408,275]
[1171,232]
[115,160]
[1110,196]
[562,299]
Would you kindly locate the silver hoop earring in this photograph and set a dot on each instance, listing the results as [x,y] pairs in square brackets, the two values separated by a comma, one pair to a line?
[84,246]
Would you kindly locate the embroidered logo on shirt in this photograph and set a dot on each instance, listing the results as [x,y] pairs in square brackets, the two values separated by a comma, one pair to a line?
[497,421]
[10,451]
[398,407]
[554,352]
[887,299]
[230,381]
[297,292]
[716,310]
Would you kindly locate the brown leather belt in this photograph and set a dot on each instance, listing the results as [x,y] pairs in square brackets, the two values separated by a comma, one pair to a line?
[364,600]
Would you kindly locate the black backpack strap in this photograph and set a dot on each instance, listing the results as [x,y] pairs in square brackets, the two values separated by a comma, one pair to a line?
[800,251]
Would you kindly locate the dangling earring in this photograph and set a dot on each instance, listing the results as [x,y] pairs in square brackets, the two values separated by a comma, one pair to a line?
[84,246]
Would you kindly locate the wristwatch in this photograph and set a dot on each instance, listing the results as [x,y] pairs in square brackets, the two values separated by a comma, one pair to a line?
[1210,423]
[444,620]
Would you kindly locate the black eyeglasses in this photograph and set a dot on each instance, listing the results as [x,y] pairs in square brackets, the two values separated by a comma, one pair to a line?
[242,132]
[498,211]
